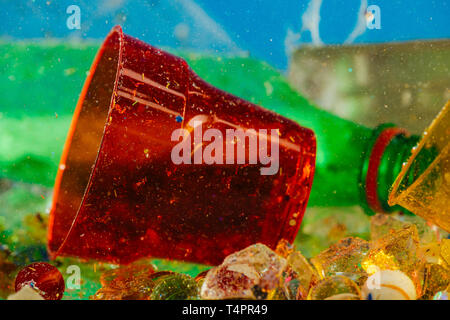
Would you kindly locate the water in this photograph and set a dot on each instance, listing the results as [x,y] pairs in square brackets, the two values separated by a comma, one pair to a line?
[46,49]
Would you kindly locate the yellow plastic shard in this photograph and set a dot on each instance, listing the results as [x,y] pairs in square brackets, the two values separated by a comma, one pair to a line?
[426,192]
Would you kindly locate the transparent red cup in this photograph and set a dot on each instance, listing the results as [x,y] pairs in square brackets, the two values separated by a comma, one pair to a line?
[120,195]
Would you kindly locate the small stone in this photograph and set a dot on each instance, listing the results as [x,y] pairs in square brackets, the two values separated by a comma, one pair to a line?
[240,272]
[389,285]
[333,286]
[343,258]
[234,283]
[427,231]
[26,293]
[435,278]
[382,224]
[133,282]
[126,277]
[302,277]
[42,277]
[175,287]
[395,251]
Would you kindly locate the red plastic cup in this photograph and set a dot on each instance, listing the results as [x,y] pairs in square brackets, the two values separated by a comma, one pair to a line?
[120,194]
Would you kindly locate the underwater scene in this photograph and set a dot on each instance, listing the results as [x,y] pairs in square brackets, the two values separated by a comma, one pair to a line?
[224,150]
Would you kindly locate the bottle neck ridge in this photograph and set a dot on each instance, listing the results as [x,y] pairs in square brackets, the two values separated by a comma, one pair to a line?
[388,148]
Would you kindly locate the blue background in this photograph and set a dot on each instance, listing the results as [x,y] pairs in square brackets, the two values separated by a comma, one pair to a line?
[255,26]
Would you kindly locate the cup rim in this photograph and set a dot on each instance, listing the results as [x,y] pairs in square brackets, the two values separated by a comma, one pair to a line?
[116,30]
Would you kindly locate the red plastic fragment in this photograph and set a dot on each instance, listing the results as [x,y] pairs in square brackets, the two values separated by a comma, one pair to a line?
[119,196]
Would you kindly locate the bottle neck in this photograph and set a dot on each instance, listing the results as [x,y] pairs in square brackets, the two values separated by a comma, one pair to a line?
[387,150]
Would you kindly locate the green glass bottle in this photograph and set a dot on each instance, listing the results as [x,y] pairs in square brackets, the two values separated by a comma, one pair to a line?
[355,164]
